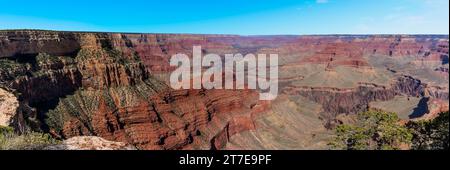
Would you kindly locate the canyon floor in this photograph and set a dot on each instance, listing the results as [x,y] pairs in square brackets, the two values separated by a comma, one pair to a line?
[116,86]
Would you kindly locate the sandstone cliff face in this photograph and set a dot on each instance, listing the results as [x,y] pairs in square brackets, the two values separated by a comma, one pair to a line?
[114,86]
[28,43]
[8,107]
[167,120]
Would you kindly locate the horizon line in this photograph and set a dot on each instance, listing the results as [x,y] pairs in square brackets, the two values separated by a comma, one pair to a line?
[243,35]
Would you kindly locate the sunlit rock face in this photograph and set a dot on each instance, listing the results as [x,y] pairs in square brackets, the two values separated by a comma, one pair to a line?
[115,86]
[8,107]
[89,143]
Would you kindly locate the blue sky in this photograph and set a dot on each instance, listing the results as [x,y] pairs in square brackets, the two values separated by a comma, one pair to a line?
[245,17]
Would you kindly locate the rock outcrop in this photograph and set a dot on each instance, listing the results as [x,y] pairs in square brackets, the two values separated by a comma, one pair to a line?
[8,107]
[89,143]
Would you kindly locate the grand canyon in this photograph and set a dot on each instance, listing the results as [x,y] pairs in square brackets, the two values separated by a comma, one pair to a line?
[116,86]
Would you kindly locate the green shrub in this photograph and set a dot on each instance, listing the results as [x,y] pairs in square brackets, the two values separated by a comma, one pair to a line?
[6,129]
[374,130]
[430,134]
[26,141]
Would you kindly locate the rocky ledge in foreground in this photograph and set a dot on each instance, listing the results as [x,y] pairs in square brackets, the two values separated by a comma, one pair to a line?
[90,143]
